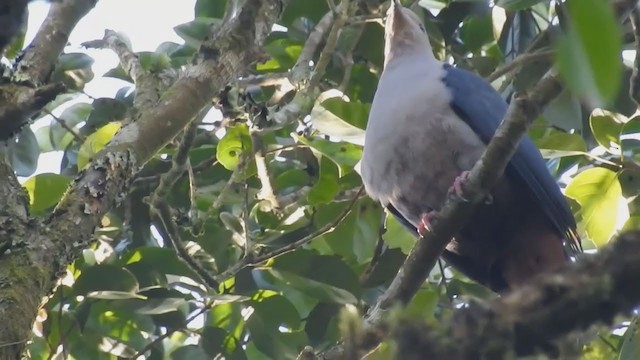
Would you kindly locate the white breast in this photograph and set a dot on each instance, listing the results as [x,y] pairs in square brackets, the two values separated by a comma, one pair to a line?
[415,145]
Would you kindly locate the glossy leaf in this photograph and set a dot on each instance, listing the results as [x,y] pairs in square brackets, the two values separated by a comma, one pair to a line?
[45,190]
[24,152]
[599,194]
[344,120]
[343,154]
[589,55]
[313,288]
[105,278]
[606,128]
[234,143]
[95,142]
[560,144]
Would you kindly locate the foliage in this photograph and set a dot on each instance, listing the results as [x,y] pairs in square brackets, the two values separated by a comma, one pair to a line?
[132,293]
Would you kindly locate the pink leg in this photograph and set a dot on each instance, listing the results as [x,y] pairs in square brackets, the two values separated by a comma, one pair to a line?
[425,223]
[458,184]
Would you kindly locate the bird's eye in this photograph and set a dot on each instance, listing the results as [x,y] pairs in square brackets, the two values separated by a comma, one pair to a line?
[422,27]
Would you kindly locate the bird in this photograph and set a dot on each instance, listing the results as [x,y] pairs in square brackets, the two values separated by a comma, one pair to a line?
[429,123]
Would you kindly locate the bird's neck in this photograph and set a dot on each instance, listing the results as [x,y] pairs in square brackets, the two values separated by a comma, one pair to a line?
[407,56]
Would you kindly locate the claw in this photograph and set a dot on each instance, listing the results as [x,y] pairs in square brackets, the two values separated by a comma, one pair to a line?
[425,223]
[458,184]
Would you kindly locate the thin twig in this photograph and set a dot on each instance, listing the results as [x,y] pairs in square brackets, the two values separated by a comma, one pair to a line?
[255,261]
[161,208]
[520,61]
[327,228]
[303,101]
[170,331]
[180,164]
[377,253]
[342,14]
[79,138]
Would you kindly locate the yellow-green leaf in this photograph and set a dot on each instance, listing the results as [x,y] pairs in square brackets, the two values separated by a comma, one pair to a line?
[599,194]
[95,142]
[236,141]
[606,127]
[45,190]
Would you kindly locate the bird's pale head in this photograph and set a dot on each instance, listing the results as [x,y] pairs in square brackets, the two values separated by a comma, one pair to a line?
[404,32]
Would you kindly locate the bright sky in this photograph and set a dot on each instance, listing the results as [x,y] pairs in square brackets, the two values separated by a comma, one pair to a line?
[147,23]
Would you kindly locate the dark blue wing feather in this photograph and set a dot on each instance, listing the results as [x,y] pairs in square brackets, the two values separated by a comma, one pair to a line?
[482,108]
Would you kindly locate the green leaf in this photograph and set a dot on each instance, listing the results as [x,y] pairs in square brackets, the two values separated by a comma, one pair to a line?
[631,343]
[210,8]
[103,111]
[160,259]
[356,236]
[599,194]
[344,154]
[145,306]
[113,295]
[397,236]
[72,61]
[423,304]
[589,55]
[194,32]
[476,32]
[95,142]
[191,352]
[342,119]
[284,55]
[24,152]
[565,111]
[326,188]
[45,190]
[235,142]
[57,137]
[515,5]
[316,289]
[105,278]
[630,137]
[154,62]
[606,128]
[560,144]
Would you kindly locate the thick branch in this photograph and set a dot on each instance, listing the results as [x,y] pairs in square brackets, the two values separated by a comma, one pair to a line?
[50,248]
[148,85]
[19,102]
[534,317]
[41,56]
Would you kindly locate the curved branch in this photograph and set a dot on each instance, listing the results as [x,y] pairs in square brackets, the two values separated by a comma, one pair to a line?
[41,55]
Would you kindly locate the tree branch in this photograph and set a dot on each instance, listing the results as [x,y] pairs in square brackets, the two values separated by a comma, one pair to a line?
[148,85]
[19,102]
[29,273]
[532,318]
[41,56]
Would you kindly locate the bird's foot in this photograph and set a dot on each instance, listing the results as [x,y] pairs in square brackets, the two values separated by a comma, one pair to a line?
[425,223]
[458,185]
